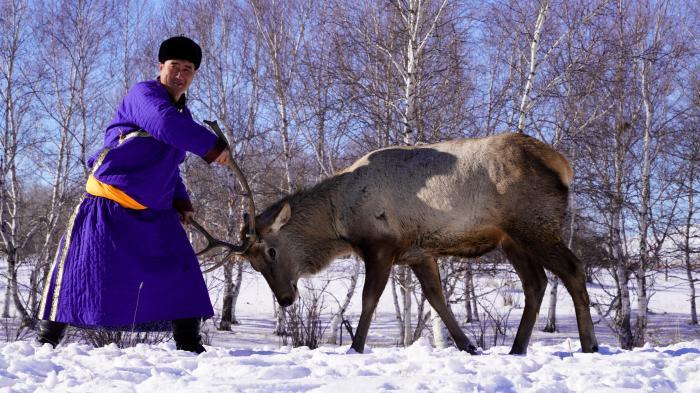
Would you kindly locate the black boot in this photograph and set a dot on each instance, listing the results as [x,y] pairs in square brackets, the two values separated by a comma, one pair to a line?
[51,332]
[186,335]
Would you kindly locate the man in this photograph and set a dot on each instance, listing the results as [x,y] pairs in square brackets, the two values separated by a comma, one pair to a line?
[125,262]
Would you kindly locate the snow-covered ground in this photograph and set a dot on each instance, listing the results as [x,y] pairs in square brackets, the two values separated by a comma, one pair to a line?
[547,368]
[252,359]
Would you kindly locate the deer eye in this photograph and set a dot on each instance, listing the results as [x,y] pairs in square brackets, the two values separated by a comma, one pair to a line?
[272,253]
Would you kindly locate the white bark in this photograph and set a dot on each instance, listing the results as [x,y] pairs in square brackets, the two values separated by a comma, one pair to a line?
[467,294]
[414,19]
[534,63]
[397,307]
[644,208]
[406,285]
[336,322]
[236,291]
[440,334]
[647,75]
[551,325]
[14,34]
[687,245]
[276,33]
[624,311]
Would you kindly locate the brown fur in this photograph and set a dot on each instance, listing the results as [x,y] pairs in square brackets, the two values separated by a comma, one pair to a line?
[411,205]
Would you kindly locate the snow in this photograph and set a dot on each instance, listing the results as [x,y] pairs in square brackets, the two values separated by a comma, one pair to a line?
[26,367]
[252,359]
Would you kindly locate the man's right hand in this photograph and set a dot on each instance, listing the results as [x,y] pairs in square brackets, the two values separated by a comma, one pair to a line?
[223,157]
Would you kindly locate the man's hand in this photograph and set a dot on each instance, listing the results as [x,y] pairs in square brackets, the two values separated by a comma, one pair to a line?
[223,157]
[186,217]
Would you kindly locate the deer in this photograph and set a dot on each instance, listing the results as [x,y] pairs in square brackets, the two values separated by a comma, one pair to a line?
[412,205]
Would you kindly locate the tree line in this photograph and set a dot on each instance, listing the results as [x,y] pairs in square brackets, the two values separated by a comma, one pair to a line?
[301,88]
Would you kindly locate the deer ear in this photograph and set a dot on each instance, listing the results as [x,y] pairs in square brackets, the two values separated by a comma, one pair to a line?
[282,218]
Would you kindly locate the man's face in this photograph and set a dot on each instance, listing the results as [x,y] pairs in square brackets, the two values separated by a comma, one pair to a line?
[177,76]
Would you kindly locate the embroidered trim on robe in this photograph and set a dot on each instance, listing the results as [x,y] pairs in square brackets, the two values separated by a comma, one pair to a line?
[61,263]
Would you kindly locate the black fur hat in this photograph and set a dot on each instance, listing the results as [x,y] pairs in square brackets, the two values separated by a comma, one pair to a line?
[180,48]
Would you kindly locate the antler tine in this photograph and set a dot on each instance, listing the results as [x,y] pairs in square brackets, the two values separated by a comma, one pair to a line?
[220,263]
[213,242]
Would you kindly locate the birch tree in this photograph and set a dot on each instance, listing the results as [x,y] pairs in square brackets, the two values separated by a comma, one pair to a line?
[17,226]
[132,37]
[533,62]
[529,38]
[689,240]
[322,114]
[336,324]
[281,27]
[659,53]
[623,188]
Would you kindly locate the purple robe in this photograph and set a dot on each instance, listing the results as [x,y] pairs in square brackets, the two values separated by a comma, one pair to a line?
[117,267]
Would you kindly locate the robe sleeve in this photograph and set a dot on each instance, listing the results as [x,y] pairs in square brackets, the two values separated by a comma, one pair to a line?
[181,199]
[152,109]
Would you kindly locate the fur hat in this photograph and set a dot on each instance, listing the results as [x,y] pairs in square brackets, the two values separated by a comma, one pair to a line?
[180,48]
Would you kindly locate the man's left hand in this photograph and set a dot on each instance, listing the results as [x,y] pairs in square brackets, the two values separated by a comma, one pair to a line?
[186,217]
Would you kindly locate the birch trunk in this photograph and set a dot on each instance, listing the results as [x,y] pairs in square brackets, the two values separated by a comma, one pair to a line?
[623,309]
[410,78]
[551,326]
[641,271]
[10,193]
[11,239]
[421,320]
[231,288]
[475,303]
[439,329]
[468,294]
[414,16]
[284,133]
[227,306]
[534,62]
[283,61]
[397,307]
[406,286]
[236,291]
[336,322]
[686,242]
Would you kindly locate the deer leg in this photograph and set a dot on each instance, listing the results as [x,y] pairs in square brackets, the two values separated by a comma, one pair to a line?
[429,277]
[561,261]
[376,276]
[534,282]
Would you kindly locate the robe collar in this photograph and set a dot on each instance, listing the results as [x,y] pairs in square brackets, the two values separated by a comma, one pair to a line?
[179,104]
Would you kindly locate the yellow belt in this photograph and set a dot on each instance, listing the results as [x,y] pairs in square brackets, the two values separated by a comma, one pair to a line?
[97,188]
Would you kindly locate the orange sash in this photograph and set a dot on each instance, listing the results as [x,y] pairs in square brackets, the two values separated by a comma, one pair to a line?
[97,188]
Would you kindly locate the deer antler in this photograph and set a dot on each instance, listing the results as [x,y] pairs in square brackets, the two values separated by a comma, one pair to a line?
[250,237]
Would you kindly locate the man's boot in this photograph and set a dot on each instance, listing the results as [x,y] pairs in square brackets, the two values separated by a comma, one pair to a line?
[51,332]
[186,335]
